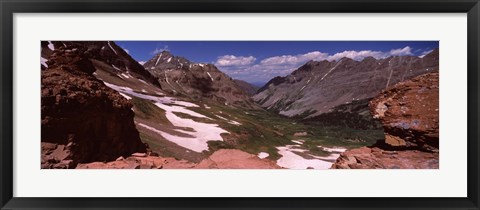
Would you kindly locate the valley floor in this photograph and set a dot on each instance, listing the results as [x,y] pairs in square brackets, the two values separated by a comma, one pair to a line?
[176,126]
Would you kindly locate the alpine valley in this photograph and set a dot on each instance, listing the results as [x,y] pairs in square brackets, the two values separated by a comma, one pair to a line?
[100,108]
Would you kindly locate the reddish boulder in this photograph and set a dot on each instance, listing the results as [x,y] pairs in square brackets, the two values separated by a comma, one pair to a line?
[409,112]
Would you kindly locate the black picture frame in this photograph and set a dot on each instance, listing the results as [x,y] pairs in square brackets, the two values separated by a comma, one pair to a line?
[9,7]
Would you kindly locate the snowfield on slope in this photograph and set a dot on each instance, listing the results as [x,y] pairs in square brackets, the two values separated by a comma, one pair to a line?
[202,132]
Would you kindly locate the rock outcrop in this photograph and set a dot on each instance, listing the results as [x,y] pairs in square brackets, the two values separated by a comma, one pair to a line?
[221,159]
[82,120]
[135,162]
[318,87]
[235,159]
[378,158]
[409,112]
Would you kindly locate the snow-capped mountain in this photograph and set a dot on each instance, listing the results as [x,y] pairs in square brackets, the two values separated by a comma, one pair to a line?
[198,81]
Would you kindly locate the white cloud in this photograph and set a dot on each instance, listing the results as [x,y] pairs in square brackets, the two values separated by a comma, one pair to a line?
[244,68]
[360,55]
[141,62]
[231,60]
[158,50]
[401,51]
[294,59]
[126,50]
[356,55]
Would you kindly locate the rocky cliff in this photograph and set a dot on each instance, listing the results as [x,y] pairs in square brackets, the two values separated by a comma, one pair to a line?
[409,112]
[319,86]
[82,120]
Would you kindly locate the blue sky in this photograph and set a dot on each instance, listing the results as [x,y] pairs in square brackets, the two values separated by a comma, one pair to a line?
[259,61]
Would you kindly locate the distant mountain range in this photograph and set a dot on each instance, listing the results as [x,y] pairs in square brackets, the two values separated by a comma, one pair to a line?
[319,86]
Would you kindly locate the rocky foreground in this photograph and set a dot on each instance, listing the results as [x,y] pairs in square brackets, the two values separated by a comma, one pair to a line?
[221,159]
[409,112]
[82,119]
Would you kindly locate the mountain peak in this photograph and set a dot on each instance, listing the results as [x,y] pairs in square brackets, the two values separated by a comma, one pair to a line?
[165,53]
[166,60]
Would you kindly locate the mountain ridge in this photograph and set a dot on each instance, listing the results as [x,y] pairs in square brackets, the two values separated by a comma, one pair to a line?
[318,86]
[179,76]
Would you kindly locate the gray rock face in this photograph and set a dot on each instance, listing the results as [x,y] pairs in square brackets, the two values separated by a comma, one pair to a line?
[317,87]
[198,81]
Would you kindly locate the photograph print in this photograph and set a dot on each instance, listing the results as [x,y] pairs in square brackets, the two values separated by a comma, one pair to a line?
[239,104]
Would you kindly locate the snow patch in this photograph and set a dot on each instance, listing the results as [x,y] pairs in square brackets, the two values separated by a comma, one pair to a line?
[229,121]
[165,100]
[118,69]
[198,143]
[210,76]
[158,59]
[203,132]
[180,109]
[333,149]
[263,155]
[331,70]
[298,141]
[126,96]
[43,61]
[51,46]
[223,118]
[233,122]
[112,48]
[169,59]
[293,161]
[125,75]
[206,106]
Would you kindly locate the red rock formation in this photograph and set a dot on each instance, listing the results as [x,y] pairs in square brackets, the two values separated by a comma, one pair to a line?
[133,162]
[82,119]
[235,159]
[409,112]
[221,159]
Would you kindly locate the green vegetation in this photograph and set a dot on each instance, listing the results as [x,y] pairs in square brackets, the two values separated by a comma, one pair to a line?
[145,109]
[263,131]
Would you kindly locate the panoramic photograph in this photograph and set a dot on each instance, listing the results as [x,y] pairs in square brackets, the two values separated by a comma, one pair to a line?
[239,104]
